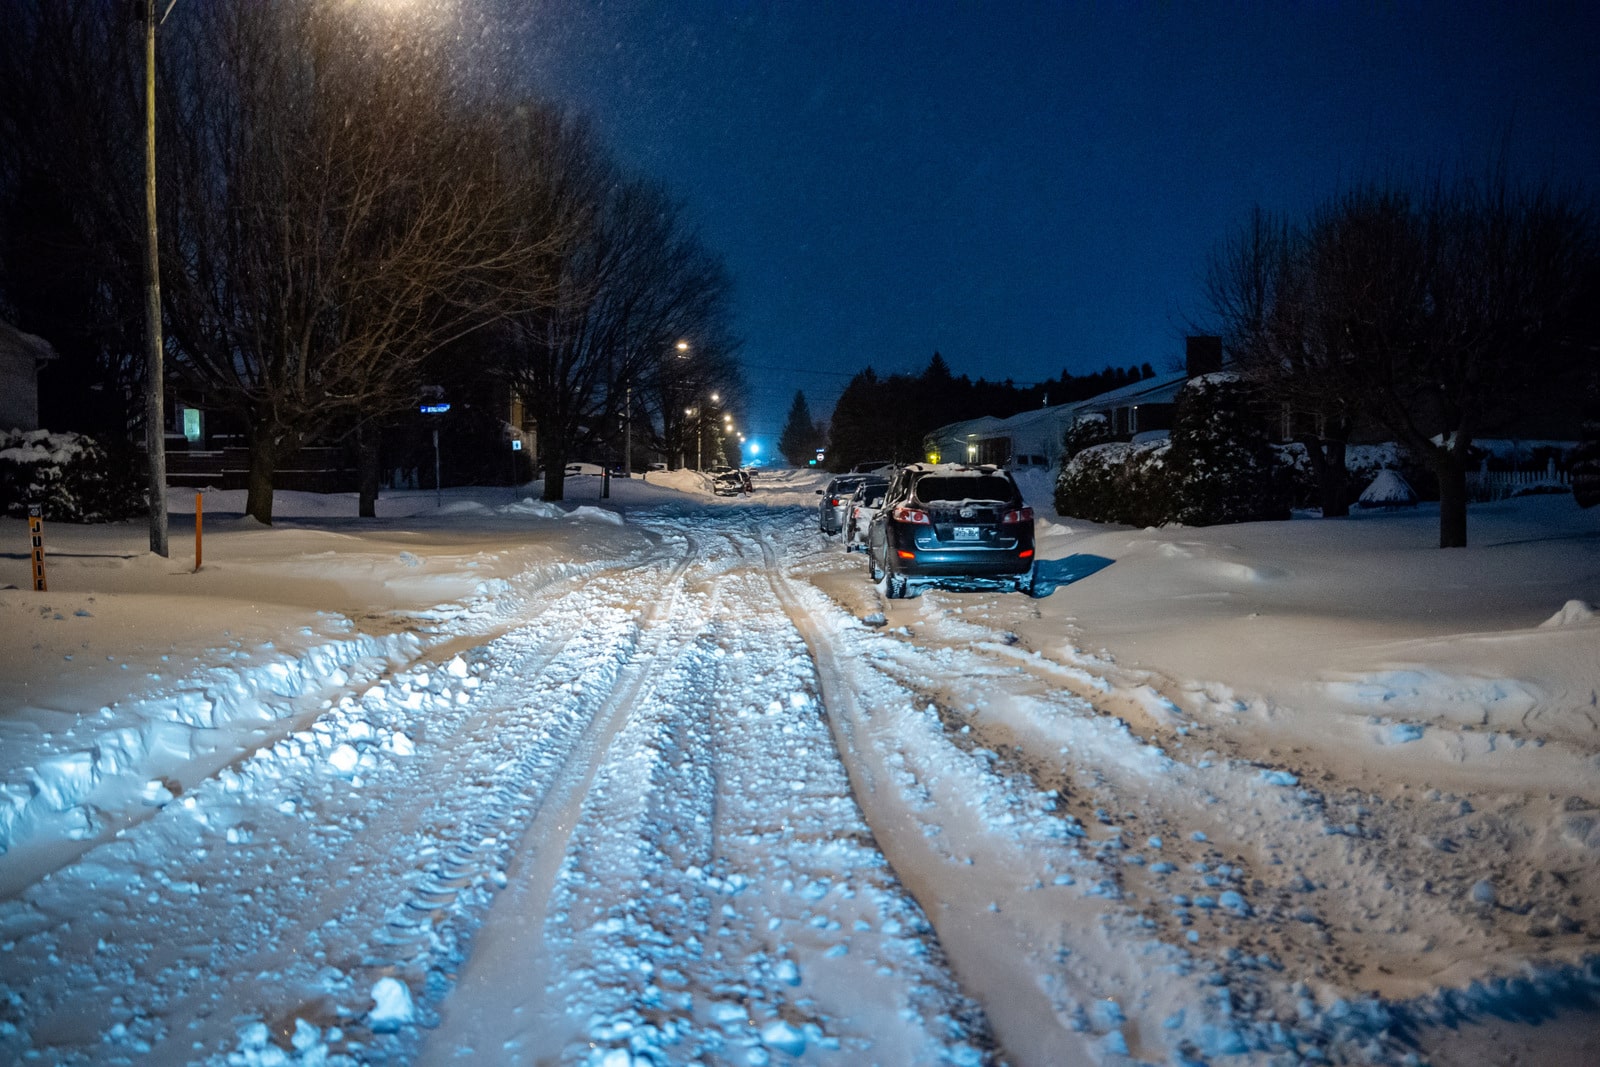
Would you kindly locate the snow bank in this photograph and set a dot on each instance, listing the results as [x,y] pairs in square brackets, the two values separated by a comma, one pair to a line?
[153,735]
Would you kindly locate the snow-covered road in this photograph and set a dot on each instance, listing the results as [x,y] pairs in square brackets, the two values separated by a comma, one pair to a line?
[710,798]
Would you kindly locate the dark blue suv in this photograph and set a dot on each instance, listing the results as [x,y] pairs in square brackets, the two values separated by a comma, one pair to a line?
[951,525]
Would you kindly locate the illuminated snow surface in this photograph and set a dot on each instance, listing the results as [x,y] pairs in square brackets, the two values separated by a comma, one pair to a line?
[663,779]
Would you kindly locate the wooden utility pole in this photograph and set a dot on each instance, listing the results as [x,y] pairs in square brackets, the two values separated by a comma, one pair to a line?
[154,407]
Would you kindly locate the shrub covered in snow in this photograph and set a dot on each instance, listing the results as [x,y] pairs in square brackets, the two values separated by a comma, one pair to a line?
[1118,482]
[1362,463]
[69,475]
[1217,466]
[1088,431]
[1221,455]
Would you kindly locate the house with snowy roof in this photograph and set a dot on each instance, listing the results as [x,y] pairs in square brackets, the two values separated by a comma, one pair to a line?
[21,356]
[1033,438]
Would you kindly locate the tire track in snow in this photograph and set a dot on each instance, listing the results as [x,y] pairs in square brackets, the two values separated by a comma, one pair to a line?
[714,844]
[520,785]
[1068,972]
[1290,902]
[401,803]
[935,859]
[1317,857]
[205,713]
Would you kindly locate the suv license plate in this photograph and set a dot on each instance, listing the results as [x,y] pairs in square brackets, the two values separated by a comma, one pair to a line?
[966,533]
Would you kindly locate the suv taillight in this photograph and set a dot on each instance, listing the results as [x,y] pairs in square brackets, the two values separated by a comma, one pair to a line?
[1017,515]
[916,515]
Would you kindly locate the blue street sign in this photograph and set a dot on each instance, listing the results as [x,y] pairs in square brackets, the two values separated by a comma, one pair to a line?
[434,409]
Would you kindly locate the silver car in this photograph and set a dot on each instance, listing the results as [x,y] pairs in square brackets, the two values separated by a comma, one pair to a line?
[830,509]
[864,501]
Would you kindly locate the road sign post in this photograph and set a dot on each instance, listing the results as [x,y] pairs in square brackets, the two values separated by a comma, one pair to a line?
[36,532]
[435,405]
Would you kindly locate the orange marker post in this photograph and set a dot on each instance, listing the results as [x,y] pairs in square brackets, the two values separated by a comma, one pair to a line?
[197,531]
[36,532]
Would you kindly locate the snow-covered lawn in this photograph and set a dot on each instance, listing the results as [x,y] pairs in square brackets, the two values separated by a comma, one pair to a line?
[662,778]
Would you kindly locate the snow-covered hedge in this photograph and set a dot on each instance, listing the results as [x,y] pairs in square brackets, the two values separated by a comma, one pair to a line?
[1216,467]
[1118,482]
[70,476]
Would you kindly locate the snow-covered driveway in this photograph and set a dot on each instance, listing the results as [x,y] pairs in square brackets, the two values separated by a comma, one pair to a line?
[705,796]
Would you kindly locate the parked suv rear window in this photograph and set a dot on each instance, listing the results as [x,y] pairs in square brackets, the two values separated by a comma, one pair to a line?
[980,487]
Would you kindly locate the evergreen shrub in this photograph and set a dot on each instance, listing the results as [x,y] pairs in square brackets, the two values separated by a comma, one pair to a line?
[1218,466]
[70,476]
[1088,431]
[1222,458]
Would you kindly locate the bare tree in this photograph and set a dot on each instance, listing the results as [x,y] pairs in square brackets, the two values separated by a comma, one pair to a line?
[1487,300]
[1290,304]
[630,282]
[1439,315]
[337,214]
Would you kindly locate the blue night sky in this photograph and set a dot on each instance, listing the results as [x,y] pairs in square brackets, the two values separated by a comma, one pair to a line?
[1032,187]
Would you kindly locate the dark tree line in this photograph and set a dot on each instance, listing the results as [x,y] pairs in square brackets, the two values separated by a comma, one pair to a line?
[348,213]
[1071,387]
[70,256]
[1438,313]
[887,418]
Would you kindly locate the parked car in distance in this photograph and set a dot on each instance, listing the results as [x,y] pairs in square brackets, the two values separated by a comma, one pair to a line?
[728,483]
[830,509]
[584,468]
[953,525]
[864,501]
[874,466]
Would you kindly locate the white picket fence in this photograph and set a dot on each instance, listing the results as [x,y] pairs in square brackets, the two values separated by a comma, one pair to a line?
[1497,485]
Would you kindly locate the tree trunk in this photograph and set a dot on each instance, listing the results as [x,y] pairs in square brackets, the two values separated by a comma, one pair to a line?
[555,474]
[1451,468]
[1335,481]
[263,466]
[1319,465]
[367,439]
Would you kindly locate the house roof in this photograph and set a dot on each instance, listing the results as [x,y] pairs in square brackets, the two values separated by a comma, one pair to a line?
[1162,389]
[15,343]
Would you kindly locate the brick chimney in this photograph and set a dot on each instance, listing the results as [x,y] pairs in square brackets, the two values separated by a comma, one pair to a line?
[1202,355]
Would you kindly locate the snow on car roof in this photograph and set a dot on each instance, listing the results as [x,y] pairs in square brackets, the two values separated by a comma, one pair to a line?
[970,470]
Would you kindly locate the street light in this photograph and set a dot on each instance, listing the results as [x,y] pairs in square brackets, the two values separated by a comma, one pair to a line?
[699,438]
